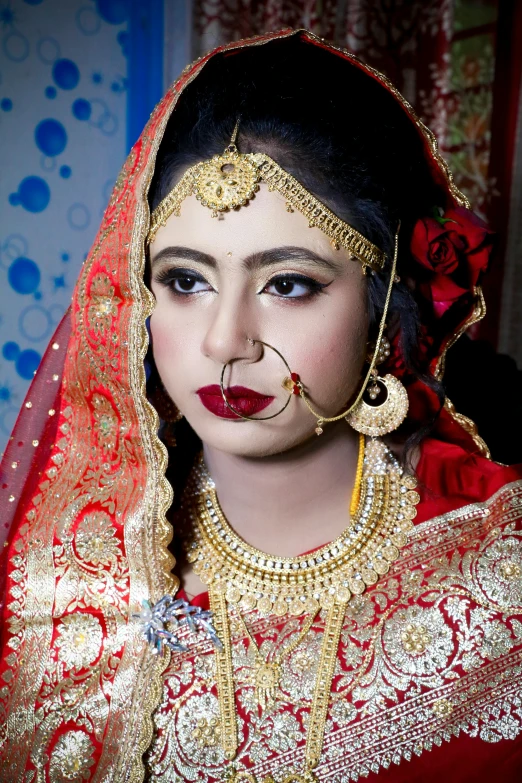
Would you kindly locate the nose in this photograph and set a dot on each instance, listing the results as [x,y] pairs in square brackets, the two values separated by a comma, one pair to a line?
[230,333]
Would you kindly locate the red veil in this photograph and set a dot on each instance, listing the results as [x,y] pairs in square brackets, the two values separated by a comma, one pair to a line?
[83,490]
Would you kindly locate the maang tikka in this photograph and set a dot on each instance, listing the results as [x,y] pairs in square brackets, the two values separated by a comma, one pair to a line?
[229,180]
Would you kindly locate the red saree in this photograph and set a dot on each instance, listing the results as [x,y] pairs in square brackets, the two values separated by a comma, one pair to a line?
[429,658]
[84,496]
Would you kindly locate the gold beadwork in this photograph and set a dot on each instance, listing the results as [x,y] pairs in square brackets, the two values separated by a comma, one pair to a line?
[356,494]
[225,682]
[267,673]
[246,578]
[379,420]
[323,684]
[329,575]
[229,181]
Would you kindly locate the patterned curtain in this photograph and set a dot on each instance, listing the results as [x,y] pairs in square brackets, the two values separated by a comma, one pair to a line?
[441,55]
[408,41]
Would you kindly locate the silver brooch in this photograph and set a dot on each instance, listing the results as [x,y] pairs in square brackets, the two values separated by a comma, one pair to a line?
[162,622]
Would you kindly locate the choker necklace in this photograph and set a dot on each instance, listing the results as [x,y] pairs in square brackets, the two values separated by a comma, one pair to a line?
[241,577]
[296,585]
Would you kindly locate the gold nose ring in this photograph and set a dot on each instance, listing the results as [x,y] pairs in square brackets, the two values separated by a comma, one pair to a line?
[285,385]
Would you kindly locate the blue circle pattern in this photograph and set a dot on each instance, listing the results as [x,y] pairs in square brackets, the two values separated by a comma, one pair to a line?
[81,109]
[35,323]
[15,245]
[24,275]
[48,50]
[11,351]
[78,216]
[50,137]
[113,11]
[16,47]
[88,20]
[27,363]
[66,74]
[33,194]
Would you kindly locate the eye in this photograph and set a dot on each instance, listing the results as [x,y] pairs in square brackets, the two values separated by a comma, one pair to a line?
[183,281]
[293,287]
[189,284]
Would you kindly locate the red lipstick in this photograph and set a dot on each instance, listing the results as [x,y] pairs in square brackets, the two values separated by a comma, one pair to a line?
[246,401]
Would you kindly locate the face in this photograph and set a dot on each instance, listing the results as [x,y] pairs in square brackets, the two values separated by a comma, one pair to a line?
[260,274]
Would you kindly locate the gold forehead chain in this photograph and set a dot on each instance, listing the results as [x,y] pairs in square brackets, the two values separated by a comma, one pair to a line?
[230,180]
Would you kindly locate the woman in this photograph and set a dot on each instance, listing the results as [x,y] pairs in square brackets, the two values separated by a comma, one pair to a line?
[343,590]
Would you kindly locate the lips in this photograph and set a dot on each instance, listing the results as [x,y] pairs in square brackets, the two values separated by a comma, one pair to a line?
[246,401]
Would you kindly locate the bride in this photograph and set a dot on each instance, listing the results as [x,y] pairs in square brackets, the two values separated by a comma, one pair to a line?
[246,536]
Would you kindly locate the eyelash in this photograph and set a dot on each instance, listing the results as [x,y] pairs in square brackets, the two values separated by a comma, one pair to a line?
[168,278]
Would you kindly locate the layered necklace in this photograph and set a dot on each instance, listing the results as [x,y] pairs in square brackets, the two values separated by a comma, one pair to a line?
[241,578]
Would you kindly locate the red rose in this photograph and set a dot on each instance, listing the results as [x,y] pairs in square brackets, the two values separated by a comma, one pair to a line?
[456,249]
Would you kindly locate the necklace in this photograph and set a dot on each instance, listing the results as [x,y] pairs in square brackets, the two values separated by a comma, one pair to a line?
[267,673]
[298,585]
[241,577]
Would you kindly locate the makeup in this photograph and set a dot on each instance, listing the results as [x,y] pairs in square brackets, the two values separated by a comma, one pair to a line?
[247,401]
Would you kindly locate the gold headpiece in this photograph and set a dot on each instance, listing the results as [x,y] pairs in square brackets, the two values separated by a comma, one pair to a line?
[229,180]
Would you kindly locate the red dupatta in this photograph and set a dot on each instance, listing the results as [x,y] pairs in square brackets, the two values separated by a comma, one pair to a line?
[83,482]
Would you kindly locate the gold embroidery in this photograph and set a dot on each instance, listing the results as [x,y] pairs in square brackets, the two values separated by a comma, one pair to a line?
[79,640]
[71,758]
[106,421]
[434,649]
[95,540]
[207,732]
[104,304]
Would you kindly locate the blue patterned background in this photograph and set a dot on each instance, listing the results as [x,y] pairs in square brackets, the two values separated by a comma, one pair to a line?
[63,125]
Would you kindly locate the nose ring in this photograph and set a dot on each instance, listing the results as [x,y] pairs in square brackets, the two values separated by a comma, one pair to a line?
[289,385]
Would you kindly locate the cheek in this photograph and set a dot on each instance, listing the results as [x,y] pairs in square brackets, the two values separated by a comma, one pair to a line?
[331,356]
[169,347]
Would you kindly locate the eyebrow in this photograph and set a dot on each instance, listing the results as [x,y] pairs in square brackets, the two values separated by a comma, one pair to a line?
[255,261]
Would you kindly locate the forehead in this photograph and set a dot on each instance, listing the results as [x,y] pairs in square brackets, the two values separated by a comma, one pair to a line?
[263,223]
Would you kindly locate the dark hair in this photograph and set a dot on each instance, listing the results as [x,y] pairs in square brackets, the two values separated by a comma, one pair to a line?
[338,131]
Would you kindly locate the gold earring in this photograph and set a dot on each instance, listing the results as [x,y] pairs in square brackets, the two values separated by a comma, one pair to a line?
[388,401]
[168,413]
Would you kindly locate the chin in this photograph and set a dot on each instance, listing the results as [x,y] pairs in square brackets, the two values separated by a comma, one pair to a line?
[251,440]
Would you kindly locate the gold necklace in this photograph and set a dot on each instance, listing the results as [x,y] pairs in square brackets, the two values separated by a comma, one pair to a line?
[246,578]
[267,673]
[297,585]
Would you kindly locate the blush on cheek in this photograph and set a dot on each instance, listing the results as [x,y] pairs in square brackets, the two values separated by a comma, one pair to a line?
[166,347]
[332,363]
